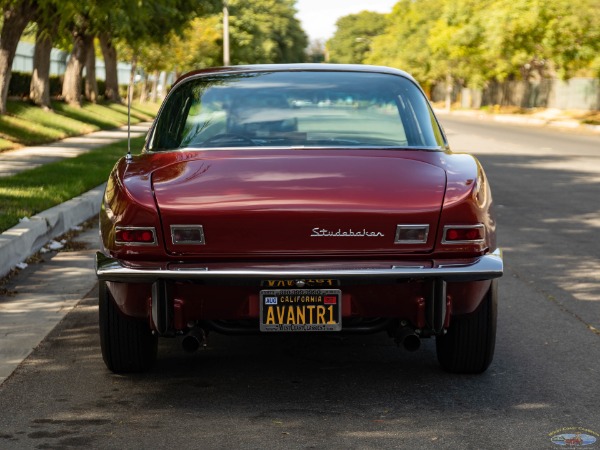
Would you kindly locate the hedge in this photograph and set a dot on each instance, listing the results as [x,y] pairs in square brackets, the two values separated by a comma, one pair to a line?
[21,81]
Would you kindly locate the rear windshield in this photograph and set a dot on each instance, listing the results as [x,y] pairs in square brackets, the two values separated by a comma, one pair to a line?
[304,108]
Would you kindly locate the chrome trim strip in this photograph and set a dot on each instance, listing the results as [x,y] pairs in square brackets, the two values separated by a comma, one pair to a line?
[483,268]
[476,241]
[136,244]
[202,241]
[411,227]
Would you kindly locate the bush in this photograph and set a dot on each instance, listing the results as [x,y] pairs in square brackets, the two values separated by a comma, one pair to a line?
[55,86]
[19,84]
[21,81]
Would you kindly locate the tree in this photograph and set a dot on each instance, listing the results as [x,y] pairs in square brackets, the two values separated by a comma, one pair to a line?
[91,84]
[152,38]
[111,82]
[49,19]
[39,88]
[71,91]
[265,31]
[262,31]
[472,41]
[198,47]
[352,40]
[16,15]
[524,37]
[572,34]
[404,41]
[457,42]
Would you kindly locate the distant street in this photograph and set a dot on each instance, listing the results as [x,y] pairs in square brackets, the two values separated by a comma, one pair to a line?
[303,392]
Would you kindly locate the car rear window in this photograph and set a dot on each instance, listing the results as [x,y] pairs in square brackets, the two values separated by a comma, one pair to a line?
[296,108]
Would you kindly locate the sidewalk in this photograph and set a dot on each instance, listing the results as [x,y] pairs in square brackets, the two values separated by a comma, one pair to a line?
[20,159]
[28,237]
[40,296]
[548,118]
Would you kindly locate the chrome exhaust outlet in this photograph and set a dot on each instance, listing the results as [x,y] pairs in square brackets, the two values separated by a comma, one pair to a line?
[408,339]
[195,339]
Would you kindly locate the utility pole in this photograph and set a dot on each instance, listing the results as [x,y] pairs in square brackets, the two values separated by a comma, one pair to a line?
[225,34]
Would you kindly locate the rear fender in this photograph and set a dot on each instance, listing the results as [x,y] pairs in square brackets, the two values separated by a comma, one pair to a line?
[468,201]
[128,202]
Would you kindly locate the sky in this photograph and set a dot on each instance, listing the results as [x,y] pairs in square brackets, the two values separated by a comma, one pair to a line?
[318,17]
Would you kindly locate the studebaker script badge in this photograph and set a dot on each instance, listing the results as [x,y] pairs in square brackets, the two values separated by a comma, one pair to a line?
[324,232]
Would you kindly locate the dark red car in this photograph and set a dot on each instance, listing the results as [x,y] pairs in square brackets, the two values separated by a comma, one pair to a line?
[298,198]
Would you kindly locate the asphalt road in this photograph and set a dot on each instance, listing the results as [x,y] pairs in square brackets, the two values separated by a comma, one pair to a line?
[363,392]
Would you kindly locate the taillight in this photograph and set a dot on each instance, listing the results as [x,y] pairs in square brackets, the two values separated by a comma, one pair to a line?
[135,236]
[463,234]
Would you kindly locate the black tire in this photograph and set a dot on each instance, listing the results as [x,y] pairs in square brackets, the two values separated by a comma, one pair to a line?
[468,347]
[127,344]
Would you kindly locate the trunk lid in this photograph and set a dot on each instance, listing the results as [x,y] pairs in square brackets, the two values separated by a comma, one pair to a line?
[299,204]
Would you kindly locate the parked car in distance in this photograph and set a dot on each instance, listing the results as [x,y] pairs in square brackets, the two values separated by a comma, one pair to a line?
[298,199]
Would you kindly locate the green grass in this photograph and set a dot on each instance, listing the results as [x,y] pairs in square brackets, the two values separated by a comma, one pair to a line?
[26,124]
[33,191]
[99,115]
[5,145]
[143,112]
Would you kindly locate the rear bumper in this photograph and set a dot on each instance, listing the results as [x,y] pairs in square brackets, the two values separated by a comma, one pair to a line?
[433,315]
[485,267]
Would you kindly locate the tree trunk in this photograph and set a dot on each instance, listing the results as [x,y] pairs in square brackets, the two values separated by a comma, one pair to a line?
[91,84]
[154,92]
[39,89]
[109,52]
[144,90]
[449,88]
[132,79]
[71,91]
[16,16]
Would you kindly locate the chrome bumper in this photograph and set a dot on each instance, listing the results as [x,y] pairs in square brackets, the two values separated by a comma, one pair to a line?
[482,268]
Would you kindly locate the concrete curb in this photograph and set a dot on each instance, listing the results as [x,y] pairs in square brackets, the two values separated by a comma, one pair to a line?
[26,238]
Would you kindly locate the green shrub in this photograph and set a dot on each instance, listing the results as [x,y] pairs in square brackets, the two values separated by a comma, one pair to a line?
[19,84]
[21,81]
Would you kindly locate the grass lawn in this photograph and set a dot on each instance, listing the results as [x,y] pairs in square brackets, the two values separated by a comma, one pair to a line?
[26,124]
[33,191]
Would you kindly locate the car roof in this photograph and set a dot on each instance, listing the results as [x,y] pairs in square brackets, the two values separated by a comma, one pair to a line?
[296,68]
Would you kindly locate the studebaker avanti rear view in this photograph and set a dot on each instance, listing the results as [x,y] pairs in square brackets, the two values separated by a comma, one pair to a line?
[298,199]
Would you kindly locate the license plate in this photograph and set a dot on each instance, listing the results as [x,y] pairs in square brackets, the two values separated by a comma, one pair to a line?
[301,310]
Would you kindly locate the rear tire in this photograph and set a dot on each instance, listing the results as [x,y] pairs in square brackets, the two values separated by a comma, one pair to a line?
[468,347]
[127,344]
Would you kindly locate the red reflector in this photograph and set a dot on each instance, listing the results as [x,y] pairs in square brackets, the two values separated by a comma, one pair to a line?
[452,235]
[135,236]
[464,233]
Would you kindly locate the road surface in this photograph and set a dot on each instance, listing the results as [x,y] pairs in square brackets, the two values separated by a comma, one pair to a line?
[304,392]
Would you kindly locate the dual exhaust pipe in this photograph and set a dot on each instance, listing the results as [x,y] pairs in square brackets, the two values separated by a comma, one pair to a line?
[404,336]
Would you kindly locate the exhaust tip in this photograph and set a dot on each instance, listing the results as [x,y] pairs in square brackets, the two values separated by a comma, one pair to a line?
[412,342]
[408,339]
[194,340]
